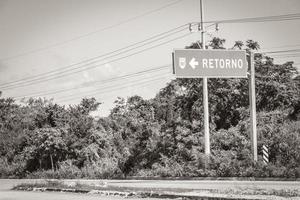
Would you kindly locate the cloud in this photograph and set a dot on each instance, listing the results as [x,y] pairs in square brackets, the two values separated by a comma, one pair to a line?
[103,72]
[87,77]
[90,79]
[109,70]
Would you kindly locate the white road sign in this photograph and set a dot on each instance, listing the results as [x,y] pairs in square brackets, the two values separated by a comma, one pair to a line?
[198,63]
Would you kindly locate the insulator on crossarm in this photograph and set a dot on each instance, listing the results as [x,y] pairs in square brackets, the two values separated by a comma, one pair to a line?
[190,27]
[217,27]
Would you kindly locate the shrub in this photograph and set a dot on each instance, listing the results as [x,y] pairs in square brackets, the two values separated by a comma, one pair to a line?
[104,168]
[68,170]
[167,167]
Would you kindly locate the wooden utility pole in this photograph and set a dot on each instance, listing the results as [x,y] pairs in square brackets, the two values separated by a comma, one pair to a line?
[205,90]
[252,99]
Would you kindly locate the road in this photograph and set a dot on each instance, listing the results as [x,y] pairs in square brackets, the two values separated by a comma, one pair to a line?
[197,184]
[7,194]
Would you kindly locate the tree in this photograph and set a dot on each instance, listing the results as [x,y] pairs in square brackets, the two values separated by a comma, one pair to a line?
[46,144]
[162,136]
[238,45]
[217,43]
[252,45]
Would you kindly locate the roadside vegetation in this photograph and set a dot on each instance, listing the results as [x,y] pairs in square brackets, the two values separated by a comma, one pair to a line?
[162,136]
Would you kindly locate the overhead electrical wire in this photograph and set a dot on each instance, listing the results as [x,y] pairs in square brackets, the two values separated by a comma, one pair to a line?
[280,47]
[239,20]
[111,61]
[23,84]
[145,83]
[91,33]
[280,51]
[110,89]
[94,60]
[287,56]
[294,16]
[119,77]
[139,73]
[288,53]
[98,90]
[255,19]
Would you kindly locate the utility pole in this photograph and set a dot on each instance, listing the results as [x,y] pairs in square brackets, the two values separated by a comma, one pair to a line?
[252,99]
[205,90]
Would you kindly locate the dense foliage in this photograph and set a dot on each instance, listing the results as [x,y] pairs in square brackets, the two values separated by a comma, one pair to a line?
[162,136]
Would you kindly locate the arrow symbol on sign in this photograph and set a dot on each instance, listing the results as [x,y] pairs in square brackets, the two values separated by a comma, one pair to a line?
[193,63]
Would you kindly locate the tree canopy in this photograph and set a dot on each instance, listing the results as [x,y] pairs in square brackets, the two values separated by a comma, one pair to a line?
[162,136]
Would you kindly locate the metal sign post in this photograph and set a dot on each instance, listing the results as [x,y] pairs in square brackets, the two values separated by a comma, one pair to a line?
[252,99]
[205,91]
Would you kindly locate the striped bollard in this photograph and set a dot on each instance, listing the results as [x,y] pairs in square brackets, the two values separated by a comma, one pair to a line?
[265,151]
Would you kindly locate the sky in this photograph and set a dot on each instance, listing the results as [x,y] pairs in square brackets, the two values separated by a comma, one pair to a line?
[39,36]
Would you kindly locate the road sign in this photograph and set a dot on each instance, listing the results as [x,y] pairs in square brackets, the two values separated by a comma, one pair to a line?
[199,63]
[265,151]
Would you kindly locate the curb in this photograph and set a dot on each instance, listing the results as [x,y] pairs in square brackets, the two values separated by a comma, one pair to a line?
[135,194]
[211,178]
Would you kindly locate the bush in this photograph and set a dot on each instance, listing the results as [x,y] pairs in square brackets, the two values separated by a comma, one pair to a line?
[167,167]
[104,168]
[68,170]
[14,169]
[5,169]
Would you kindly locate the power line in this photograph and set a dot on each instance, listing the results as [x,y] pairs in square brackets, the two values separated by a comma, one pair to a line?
[97,82]
[90,67]
[155,69]
[239,20]
[115,89]
[94,59]
[279,54]
[280,51]
[97,90]
[111,61]
[287,56]
[284,53]
[283,46]
[90,33]
[109,89]
[262,52]
[294,16]
[278,17]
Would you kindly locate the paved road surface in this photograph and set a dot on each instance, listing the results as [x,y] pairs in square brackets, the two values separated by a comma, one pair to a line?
[197,184]
[7,194]
[212,184]
[24,195]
